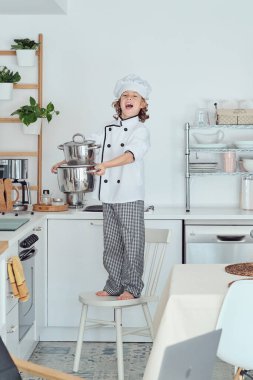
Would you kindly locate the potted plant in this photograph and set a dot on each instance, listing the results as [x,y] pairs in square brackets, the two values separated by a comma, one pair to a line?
[25,51]
[31,114]
[7,78]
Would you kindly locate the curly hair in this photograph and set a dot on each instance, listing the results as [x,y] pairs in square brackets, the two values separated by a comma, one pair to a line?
[142,114]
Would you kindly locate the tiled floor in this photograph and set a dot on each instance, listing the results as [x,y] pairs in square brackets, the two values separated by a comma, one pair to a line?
[98,360]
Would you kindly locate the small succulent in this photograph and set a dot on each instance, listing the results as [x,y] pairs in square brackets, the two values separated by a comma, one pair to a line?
[25,43]
[28,114]
[7,76]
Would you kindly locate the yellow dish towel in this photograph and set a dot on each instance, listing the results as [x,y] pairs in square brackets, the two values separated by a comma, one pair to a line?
[17,279]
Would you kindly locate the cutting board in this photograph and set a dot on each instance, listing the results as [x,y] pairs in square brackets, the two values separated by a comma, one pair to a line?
[50,208]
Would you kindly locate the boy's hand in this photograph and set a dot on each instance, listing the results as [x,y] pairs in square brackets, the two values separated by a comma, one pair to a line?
[100,169]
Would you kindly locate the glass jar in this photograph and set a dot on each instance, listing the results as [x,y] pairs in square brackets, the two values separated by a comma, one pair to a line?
[46,198]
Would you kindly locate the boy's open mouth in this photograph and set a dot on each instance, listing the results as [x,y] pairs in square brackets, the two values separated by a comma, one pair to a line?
[129,105]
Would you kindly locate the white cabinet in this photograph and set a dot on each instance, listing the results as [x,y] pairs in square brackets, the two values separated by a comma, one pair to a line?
[75,264]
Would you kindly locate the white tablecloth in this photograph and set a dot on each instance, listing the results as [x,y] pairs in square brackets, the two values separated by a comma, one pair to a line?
[189,306]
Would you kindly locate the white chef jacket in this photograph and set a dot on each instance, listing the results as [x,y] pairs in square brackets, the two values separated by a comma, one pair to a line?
[122,183]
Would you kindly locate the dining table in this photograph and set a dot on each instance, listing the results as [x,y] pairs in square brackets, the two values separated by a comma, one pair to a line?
[189,306]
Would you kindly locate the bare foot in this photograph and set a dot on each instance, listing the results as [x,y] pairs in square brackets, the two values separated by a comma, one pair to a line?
[102,293]
[125,296]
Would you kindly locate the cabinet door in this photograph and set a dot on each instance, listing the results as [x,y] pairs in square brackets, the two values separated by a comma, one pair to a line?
[75,264]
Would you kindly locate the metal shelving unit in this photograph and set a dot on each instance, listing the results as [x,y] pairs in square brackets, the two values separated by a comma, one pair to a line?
[189,150]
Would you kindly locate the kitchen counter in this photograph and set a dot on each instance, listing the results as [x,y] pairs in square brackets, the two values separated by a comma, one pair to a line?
[3,246]
[7,238]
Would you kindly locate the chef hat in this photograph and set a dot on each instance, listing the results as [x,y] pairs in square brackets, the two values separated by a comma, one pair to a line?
[132,83]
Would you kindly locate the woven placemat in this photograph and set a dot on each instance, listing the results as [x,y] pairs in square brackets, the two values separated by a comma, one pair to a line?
[242,269]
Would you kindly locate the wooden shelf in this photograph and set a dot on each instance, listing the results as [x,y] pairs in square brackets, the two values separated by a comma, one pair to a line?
[17,154]
[13,52]
[38,88]
[9,120]
[26,86]
[32,188]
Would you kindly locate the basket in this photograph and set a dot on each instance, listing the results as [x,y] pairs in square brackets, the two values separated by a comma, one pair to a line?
[234,116]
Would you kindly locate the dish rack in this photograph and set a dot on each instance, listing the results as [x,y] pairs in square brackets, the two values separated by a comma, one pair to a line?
[245,146]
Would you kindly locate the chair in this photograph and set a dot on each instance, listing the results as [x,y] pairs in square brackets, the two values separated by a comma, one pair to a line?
[156,241]
[10,367]
[235,320]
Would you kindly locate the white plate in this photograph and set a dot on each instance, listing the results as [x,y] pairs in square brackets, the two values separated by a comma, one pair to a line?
[208,146]
[244,144]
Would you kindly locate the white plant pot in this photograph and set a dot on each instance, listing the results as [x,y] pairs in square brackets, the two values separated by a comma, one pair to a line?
[26,57]
[32,129]
[6,90]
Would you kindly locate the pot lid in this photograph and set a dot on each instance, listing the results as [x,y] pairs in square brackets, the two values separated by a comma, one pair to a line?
[79,139]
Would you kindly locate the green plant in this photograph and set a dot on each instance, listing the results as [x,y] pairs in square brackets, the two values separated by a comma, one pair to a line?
[7,76]
[28,114]
[25,43]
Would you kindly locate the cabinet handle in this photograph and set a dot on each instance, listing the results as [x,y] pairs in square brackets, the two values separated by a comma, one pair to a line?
[12,329]
[37,229]
[95,224]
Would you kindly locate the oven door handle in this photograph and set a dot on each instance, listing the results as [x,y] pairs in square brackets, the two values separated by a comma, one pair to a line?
[27,254]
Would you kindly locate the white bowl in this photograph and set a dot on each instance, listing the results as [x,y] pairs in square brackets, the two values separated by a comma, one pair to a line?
[248,164]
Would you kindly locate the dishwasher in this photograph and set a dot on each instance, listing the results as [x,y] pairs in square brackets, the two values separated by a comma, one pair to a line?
[218,242]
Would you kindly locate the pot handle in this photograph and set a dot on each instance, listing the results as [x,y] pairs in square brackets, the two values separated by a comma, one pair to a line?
[92,171]
[60,147]
[78,135]
[96,146]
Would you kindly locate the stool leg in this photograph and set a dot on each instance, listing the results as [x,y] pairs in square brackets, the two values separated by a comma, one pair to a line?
[120,362]
[80,337]
[148,320]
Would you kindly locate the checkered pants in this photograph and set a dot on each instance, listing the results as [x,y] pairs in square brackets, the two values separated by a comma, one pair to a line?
[124,242]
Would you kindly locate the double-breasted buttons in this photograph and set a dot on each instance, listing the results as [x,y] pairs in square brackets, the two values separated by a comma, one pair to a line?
[122,144]
[110,129]
[125,129]
[105,180]
[118,181]
[108,145]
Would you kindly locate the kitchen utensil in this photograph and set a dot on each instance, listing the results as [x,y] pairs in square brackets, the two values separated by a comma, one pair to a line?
[2,198]
[76,178]
[14,168]
[75,199]
[246,196]
[202,118]
[50,208]
[229,162]
[209,138]
[79,152]
[244,144]
[8,188]
[248,164]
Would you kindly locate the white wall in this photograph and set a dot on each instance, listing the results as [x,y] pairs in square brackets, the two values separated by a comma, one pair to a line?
[193,52]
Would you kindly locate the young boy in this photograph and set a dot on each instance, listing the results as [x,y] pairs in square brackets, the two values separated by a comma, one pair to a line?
[121,189]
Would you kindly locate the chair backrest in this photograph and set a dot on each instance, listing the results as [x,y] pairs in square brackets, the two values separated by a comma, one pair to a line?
[156,241]
[235,320]
[8,370]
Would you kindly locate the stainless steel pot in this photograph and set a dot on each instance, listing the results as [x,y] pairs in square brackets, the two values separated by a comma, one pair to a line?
[79,152]
[14,168]
[75,178]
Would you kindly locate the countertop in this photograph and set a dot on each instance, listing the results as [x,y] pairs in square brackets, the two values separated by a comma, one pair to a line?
[201,214]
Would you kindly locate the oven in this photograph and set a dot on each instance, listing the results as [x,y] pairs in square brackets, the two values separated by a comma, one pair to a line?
[26,310]
[221,242]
